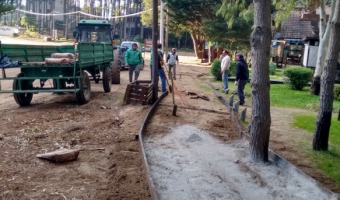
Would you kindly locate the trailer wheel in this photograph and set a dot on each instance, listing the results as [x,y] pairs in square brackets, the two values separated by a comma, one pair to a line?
[84,94]
[107,79]
[22,99]
[115,74]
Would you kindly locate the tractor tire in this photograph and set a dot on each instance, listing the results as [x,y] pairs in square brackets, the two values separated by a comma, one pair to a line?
[22,99]
[83,95]
[115,74]
[107,79]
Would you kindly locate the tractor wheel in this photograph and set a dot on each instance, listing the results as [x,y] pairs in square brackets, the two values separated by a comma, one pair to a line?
[115,74]
[84,94]
[22,99]
[107,79]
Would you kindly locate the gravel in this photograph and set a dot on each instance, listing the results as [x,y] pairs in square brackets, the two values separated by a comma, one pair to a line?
[188,163]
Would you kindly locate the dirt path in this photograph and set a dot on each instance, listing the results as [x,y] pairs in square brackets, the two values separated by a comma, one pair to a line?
[109,165]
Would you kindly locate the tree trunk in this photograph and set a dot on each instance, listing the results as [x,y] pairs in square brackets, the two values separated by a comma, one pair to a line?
[209,53]
[197,40]
[167,34]
[323,122]
[260,84]
[322,51]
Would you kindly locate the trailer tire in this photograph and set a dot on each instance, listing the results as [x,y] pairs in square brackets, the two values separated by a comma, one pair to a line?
[83,95]
[107,79]
[115,74]
[22,99]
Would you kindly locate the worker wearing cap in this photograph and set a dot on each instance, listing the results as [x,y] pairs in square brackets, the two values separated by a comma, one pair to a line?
[242,76]
[133,60]
[172,59]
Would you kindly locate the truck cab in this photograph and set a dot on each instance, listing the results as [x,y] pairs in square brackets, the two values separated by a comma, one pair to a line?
[94,31]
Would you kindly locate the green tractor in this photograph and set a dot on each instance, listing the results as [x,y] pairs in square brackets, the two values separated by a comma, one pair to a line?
[91,58]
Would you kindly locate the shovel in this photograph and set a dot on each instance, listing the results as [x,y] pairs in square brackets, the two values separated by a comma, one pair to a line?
[174,109]
[170,86]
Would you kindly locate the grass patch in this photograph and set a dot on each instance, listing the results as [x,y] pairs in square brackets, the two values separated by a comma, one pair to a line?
[282,96]
[278,75]
[328,161]
[233,89]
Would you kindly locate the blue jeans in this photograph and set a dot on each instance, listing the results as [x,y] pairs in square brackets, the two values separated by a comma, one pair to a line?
[240,87]
[225,80]
[163,78]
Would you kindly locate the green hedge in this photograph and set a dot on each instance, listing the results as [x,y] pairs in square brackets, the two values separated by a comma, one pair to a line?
[297,77]
[272,68]
[232,70]
[337,92]
[216,69]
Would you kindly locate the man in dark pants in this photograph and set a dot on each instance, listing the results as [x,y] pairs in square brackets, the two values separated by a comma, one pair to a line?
[242,76]
[133,60]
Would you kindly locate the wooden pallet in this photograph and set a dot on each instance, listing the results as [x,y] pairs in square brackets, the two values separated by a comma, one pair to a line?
[138,92]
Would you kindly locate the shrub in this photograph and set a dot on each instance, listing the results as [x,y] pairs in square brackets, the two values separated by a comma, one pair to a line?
[337,92]
[232,70]
[216,69]
[15,34]
[272,68]
[297,77]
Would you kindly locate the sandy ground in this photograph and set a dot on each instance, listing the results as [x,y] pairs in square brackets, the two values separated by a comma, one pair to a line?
[109,165]
[188,163]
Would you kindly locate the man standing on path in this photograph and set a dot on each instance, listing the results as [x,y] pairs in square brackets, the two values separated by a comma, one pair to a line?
[133,60]
[160,52]
[242,76]
[225,66]
[160,64]
[172,59]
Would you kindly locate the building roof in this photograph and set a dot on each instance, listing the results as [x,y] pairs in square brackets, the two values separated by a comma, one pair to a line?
[295,28]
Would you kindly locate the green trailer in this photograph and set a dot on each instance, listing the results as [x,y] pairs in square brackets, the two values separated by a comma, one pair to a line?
[93,61]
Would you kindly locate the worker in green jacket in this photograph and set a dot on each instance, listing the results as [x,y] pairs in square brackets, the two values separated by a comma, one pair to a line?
[133,60]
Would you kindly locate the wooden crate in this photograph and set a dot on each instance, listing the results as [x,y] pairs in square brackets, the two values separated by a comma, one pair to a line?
[138,92]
